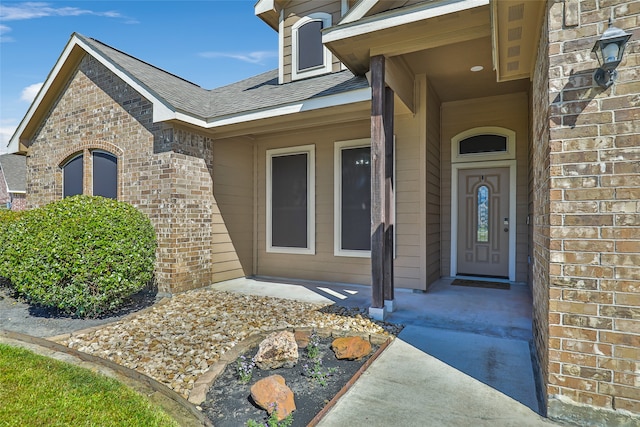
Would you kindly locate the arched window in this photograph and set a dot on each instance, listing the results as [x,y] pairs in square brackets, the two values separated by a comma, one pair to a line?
[72,176]
[103,167]
[483,144]
[308,55]
[105,175]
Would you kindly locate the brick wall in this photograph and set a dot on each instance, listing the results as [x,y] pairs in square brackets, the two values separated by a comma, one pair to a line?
[539,207]
[4,195]
[164,172]
[594,218]
[18,201]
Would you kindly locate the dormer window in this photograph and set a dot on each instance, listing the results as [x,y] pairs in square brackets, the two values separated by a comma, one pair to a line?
[309,56]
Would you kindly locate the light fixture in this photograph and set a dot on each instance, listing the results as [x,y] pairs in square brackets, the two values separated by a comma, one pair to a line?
[477,68]
[609,50]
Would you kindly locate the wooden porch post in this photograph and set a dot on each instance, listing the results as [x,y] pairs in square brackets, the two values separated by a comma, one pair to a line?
[389,199]
[381,189]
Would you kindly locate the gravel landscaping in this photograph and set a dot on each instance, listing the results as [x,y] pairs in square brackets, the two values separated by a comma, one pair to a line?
[176,340]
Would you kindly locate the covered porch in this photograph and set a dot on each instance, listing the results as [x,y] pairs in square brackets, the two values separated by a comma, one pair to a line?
[462,69]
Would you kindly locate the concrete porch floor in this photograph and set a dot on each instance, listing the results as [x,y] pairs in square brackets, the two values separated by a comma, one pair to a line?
[464,357]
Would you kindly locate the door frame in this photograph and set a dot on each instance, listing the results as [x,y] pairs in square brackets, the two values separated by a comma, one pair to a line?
[455,167]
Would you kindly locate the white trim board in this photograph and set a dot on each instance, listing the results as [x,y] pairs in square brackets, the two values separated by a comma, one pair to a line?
[310,150]
[397,17]
[455,167]
[337,197]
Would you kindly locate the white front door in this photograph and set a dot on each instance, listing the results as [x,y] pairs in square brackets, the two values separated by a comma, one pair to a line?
[483,222]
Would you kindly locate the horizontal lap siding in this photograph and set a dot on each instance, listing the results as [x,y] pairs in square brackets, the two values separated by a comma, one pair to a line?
[233,218]
[324,266]
[299,10]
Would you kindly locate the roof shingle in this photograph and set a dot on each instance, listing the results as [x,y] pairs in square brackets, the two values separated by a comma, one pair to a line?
[255,93]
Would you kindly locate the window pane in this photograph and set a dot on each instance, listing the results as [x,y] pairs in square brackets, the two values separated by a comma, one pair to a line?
[483,144]
[105,175]
[483,214]
[310,53]
[289,203]
[356,199]
[72,174]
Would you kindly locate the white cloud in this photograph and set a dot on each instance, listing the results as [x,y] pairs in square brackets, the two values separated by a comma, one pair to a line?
[3,31]
[29,93]
[31,10]
[257,57]
[6,132]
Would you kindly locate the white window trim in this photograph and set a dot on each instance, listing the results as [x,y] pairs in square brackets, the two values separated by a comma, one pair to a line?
[337,201]
[316,71]
[310,150]
[510,154]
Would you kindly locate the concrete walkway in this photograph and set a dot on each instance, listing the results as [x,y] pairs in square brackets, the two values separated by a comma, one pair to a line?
[463,359]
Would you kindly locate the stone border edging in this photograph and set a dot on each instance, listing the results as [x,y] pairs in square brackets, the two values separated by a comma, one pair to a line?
[196,416]
[202,385]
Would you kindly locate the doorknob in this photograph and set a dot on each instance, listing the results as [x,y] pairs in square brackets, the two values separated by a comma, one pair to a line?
[506,224]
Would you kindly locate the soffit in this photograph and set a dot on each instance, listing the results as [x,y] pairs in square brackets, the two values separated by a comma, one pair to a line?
[402,31]
[516,30]
[448,68]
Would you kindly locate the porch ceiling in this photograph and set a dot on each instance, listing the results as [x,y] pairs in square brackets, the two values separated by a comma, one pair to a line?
[449,70]
[445,39]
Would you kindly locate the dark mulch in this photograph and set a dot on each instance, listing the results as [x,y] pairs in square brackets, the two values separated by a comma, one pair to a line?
[16,314]
[229,402]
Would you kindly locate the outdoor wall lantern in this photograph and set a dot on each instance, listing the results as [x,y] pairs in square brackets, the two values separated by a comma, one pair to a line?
[609,50]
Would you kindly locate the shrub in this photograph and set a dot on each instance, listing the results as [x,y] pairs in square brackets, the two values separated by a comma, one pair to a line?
[8,220]
[83,255]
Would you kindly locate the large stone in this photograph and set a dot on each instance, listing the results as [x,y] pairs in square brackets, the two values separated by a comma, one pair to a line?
[351,348]
[302,338]
[278,350]
[273,394]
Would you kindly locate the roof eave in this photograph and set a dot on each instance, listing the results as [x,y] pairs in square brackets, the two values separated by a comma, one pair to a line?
[67,61]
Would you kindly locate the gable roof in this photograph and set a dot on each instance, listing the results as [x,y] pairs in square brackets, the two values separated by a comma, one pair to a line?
[14,168]
[175,98]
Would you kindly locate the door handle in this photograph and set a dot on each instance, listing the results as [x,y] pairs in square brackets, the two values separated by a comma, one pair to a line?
[506,224]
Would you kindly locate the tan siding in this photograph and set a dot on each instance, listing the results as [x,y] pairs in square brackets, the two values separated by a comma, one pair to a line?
[324,265]
[233,220]
[293,13]
[508,111]
[433,240]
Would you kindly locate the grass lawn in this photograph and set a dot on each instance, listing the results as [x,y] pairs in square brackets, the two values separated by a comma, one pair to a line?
[39,391]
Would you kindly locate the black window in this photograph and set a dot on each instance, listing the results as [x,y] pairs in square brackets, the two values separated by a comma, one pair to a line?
[483,144]
[105,175]
[289,200]
[310,49]
[356,199]
[72,176]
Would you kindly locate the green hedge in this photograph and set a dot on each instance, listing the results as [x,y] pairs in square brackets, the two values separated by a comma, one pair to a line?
[83,255]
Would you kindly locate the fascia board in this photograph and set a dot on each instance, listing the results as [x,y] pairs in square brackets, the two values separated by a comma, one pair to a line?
[263,6]
[161,110]
[351,97]
[358,11]
[398,17]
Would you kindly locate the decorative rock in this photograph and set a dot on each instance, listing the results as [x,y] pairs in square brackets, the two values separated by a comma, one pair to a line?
[351,348]
[272,393]
[277,350]
[302,338]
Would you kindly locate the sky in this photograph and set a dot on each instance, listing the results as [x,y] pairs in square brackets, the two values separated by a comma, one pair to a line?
[208,42]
